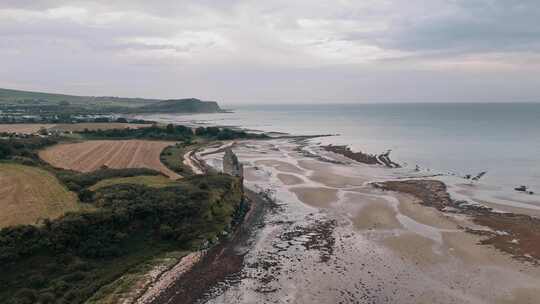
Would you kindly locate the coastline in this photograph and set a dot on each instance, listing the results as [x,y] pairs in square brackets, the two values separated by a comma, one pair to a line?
[343,192]
[512,233]
[435,146]
[454,232]
[212,269]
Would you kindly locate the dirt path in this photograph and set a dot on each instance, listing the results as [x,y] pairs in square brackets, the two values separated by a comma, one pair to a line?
[192,163]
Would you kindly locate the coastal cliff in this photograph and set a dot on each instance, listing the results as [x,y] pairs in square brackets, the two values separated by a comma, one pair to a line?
[188,105]
[38,103]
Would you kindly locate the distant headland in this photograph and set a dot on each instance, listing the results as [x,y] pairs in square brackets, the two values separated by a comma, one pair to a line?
[31,102]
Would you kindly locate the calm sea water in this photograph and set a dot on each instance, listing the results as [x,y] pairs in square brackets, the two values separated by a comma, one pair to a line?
[502,139]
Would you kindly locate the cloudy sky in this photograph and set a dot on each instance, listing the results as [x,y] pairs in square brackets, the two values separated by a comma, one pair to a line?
[275,51]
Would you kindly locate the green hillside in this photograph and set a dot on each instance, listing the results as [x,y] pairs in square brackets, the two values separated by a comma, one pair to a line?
[17,97]
[188,105]
[49,103]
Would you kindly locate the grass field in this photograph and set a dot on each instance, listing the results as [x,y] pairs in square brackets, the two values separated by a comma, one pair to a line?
[90,155]
[28,194]
[173,158]
[156,181]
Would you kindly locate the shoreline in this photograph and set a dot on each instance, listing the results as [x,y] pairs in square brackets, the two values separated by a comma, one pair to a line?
[515,234]
[219,266]
[501,175]
[486,217]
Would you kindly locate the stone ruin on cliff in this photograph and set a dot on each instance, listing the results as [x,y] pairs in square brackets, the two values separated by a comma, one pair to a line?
[231,165]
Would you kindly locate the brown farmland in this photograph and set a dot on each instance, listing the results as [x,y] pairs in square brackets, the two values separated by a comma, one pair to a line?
[23,128]
[79,127]
[91,155]
[33,128]
[28,194]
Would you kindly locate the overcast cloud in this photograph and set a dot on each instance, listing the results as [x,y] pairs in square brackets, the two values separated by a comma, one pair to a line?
[275,51]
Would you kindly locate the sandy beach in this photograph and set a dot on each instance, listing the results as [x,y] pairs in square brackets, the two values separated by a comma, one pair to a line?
[336,238]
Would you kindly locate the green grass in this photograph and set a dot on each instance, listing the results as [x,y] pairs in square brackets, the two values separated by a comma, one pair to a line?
[173,158]
[156,181]
[17,96]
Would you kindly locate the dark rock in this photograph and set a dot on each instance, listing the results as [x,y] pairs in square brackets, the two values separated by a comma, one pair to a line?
[521,188]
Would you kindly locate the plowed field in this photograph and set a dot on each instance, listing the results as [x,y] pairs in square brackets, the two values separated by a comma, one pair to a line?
[78,127]
[91,155]
[23,128]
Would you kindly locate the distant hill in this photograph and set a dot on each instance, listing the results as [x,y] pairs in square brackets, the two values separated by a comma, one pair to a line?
[188,105]
[8,96]
[30,99]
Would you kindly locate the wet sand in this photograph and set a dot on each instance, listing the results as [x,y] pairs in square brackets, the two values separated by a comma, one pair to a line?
[316,196]
[289,179]
[280,166]
[376,216]
[513,233]
[336,238]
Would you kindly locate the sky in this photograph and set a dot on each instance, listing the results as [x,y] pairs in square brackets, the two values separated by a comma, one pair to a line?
[282,51]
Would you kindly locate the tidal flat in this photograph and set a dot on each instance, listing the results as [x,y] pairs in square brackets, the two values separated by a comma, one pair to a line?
[336,238]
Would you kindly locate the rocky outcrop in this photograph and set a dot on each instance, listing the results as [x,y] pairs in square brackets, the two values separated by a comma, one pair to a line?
[370,159]
[524,189]
[515,234]
[432,193]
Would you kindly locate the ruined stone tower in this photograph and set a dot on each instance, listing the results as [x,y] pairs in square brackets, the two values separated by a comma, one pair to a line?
[231,165]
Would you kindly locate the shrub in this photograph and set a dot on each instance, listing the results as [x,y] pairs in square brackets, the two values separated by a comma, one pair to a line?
[72,256]
[47,298]
[26,296]
[37,281]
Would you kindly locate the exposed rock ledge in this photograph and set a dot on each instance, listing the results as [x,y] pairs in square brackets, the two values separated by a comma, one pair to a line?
[516,234]
[370,159]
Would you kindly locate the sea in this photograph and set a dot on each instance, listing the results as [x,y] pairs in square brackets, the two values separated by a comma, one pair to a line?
[452,139]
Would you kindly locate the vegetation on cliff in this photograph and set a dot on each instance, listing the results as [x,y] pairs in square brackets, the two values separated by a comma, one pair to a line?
[47,103]
[68,259]
[187,105]
[172,132]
